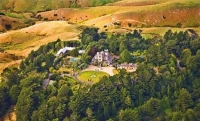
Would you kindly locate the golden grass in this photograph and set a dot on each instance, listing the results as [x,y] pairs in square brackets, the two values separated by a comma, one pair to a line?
[9,64]
[152,15]
[14,22]
[11,114]
[43,5]
[22,42]
[62,69]
[4,57]
[152,31]
[145,14]
[14,15]
[162,30]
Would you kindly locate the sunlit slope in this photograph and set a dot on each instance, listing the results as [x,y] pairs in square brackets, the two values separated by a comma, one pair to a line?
[21,42]
[43,5]
[144,13]
[171,13]
[7,23]
[7,60]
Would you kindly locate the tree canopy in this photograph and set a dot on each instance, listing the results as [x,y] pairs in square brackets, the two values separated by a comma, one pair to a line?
[165,85]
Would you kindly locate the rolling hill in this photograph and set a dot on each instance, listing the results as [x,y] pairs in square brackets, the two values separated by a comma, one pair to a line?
[44,5]
[183,13]
[25,25]
[54,20]
[21,42]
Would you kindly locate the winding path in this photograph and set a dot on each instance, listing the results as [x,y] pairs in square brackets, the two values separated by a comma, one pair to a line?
[84,82]
[76,78]
[46,81]
[178,64]
[108,70]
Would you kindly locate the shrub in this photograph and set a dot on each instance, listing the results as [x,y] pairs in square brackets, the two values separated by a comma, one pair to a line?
[2,14]
[1,50]
[66,72]
[29,21]
[46,19]
[117,23]
[129,24]
[179,25]
[54,76]
[8,26]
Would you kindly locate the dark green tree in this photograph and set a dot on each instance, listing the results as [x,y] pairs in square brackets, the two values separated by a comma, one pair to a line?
[122,46]
[88,35]
[125,56]
[185,57]
[168,35]
[190,115]
[154,55]
[74,52]
[151,109]
[184,100]
[5,102]
[11,76]
[25,104]
[14,93]
[129,115]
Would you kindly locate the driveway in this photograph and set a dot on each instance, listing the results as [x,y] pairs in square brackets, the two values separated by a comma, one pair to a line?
[46,81]
[108,69]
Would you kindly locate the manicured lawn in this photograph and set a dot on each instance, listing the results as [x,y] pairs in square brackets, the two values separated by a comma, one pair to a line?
[93,76]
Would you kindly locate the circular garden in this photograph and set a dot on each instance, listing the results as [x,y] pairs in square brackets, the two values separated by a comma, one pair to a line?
[91,76]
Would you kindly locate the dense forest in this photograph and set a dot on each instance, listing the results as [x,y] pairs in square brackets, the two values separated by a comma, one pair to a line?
[164,87]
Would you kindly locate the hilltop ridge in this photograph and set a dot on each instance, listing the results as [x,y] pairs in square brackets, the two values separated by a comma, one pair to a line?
[44,5]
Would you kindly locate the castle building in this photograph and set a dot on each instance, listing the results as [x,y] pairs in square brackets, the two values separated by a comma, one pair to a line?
[103,57]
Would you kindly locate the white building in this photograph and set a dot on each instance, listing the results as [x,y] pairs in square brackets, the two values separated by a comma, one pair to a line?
[64,50]
[103,56]
[127,66]
[81,51]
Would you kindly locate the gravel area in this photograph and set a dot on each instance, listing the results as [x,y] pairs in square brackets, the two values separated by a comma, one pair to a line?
[108,69]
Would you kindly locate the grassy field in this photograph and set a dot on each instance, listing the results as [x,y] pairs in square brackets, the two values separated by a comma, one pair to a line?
[92,76]
[14,15]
